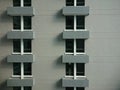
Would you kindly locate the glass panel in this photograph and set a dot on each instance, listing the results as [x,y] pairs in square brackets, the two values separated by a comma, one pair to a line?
[16,88]
[27,45]
[69,88]
[69,69]
[69,45]
[80,69]
[27,69]
[80,88]
[16,69]
[27,22]
[69,2]
[27,2]
[16,3]
[16,45]
[16,22]
[69,22]
[80,45]
[80,22]
[80,2]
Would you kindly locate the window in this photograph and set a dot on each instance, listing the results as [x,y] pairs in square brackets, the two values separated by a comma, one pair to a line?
[80,69]
[80,22]
[80,88]
[24,88]
[27,88]
[27,22]
[27,45]
[16,22]
[27,2]
[16,88]
[16,45]
[69,88]
[69,22]
[69,45]
[69,69]
[27,69]
[16,3]
[16,69]
[80,45]
[80,2]
[69,2]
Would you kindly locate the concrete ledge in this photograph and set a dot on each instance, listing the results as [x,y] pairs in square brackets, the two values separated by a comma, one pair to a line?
[20,58]
[79,82]
[20,11]
[20,82]
[78,10]
[76,34]
[82,58]
[20,35]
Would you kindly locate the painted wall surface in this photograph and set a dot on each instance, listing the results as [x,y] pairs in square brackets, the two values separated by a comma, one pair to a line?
[5,44]
[103,45]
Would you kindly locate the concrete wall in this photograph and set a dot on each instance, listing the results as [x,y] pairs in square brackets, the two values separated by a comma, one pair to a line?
[103,45]
[5,45]
[48,46]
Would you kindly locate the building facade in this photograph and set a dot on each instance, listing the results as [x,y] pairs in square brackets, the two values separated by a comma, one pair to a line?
[59,44]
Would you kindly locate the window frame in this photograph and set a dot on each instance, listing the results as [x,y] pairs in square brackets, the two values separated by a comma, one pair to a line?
[22,75]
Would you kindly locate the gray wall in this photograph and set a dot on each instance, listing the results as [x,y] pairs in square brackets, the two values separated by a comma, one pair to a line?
[5,45]
[103,45]
[48,46]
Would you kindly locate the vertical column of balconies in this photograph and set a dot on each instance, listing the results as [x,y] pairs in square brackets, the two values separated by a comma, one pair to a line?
[75,34]
[22,37]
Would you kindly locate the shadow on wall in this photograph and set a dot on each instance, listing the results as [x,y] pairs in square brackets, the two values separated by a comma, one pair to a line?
[4,41]
[58,38]
[59,15]
[59,84]
[5,17]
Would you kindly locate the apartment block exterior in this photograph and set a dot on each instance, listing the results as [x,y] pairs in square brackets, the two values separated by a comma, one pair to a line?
[59,44]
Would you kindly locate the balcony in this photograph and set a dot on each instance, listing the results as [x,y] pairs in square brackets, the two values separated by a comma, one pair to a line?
[79,82]
[20,82]
[76,10]
[20,35]
[20,11]
[82,58]
[81,34]
[20,58]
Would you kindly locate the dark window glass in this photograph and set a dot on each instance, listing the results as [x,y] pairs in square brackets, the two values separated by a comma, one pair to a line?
[16,69]
[16,22]
[69,22]
[16,45]
[69,88]
[16,3]
[69,2]
[69,69]
[80,2]
[80,88]
[27,45]
[80,69]
[80,22]
[27,69]
[69,45]
[80,45]
[27,2]
[27,22]
[16,88]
